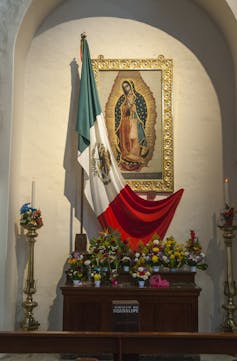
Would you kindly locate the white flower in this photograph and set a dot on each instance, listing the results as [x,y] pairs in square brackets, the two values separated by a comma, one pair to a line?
[140,269]
[87,262]
[156,242]
[137,254]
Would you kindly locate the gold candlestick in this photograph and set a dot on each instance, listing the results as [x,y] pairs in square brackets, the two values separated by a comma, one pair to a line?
[229,324]
[29,323]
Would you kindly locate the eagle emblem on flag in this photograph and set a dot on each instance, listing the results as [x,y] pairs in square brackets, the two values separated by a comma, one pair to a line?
[101,162]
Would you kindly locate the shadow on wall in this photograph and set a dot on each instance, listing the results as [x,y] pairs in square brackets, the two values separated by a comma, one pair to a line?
[216,267]
[72,188]
[21,260]
[56,310]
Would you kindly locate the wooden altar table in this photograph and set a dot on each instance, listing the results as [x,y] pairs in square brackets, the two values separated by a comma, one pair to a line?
[87,308]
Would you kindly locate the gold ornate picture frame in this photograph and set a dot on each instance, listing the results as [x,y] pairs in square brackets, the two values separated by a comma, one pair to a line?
[136,99]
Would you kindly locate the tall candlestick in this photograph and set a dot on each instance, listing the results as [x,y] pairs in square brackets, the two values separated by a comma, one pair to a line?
[33,194]
[226,192]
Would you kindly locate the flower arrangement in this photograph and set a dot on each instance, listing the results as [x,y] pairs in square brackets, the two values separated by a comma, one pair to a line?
[126,261]
[107,249]
[30,217]
[154,251]
[96,275]
[141,273]
[173,253]
[76,266]
[194,256]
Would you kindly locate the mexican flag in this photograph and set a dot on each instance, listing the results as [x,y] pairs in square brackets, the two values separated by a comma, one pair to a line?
[115,204]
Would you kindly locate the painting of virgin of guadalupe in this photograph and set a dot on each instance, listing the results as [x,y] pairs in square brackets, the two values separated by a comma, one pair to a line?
[130,124]
[130,114]
[136,99]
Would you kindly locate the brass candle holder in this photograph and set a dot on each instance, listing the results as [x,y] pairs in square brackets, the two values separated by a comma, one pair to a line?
[30,220]
[229,324]
[29,323]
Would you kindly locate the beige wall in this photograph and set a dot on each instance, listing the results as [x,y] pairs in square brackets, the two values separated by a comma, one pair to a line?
[43,135]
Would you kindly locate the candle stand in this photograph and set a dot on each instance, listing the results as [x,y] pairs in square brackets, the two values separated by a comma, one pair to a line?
[229,324]
[29,323]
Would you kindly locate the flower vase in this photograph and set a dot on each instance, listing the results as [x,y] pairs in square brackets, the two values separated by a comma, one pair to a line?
[173,269]
[126,268]
[97,283]
[193,268]
[141,283]
[76,283]
[156,269]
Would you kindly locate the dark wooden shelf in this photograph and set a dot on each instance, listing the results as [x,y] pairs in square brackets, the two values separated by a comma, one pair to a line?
[87,308]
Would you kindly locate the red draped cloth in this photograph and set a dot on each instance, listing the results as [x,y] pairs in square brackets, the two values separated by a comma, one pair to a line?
[138,219]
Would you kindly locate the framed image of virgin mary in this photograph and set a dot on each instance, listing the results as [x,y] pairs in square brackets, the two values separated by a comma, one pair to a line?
[136,99]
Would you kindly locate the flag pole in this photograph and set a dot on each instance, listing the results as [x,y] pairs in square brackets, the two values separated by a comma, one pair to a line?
[82,199]
[81,238]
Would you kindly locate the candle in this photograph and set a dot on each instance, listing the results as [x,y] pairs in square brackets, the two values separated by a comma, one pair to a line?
[226,192]
[33,194]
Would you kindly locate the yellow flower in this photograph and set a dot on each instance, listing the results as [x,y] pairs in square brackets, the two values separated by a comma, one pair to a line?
[155,249]
[96,276]
[154,258]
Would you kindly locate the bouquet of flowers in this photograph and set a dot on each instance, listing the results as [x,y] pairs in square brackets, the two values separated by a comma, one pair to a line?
[154,250]
[141,273]
[173,253]
[107,249]
[30,217]
[193,252]
[76,266]
[126,261]
[96,276]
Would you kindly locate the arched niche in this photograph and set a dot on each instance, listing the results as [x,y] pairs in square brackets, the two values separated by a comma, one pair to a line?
[34,15]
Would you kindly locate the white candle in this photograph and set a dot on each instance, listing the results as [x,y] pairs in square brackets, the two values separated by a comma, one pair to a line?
[33,194]
[226,192]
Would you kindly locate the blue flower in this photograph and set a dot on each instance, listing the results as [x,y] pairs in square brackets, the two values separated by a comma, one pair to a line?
[24,208]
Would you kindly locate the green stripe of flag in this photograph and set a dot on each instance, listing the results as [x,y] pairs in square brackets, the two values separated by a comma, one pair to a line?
[88,103]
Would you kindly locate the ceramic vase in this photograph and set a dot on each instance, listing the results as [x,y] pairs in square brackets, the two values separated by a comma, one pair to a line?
[76,283]
[97,283]
[141,283]
[156,269]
